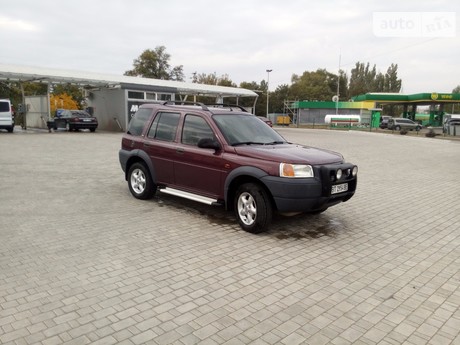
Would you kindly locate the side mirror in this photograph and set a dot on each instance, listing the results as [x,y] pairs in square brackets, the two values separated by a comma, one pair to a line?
[209,143]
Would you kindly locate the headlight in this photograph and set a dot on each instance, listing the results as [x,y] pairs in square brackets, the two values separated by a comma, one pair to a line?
[354,172]
[296,170]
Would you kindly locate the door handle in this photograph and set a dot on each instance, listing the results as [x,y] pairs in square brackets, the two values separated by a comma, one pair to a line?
[180,150]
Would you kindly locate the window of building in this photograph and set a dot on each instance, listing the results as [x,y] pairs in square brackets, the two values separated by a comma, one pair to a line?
[135,95]
[164,96]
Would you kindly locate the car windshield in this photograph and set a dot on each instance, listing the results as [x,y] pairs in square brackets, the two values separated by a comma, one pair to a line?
[242,129]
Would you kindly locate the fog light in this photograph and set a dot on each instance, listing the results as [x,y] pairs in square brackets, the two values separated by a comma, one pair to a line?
[338,174]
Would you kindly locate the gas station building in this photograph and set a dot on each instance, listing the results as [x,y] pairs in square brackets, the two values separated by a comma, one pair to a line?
[369,108]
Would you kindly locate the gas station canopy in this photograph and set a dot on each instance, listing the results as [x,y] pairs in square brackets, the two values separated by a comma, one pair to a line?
[435,101]
[94,80]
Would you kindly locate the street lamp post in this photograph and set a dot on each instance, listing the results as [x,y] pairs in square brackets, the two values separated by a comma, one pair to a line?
[268,86]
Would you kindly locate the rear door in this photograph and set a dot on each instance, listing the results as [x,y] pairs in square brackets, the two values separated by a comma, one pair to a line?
[160,144]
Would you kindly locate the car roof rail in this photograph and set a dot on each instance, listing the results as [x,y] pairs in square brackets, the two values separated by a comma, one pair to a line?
[225,105]
[204,107]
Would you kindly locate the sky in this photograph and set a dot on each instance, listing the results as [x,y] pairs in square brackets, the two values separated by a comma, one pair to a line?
[240,38]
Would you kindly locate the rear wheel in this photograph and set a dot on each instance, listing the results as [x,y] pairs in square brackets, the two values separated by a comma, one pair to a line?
[140,182]
[253,208]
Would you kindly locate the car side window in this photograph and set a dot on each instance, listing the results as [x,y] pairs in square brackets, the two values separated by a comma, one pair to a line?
[137,123]
[164,126]
[195,128]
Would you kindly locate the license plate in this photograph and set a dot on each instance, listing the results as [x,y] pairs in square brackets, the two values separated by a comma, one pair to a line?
[87,120]
[340,188]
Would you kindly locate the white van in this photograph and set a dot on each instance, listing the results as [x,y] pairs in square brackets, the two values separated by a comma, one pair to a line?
[6,115]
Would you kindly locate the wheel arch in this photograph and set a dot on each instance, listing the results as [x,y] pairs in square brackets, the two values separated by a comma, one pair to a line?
[240,176]
[139,156]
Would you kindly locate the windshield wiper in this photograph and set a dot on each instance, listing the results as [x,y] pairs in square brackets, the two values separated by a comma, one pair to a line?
[275,143]
[247,143]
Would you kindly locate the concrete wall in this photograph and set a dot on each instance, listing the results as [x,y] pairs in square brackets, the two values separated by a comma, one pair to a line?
[110,109]
[37,111]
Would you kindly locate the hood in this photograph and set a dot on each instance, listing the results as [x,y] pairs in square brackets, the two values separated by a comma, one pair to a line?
[290,153]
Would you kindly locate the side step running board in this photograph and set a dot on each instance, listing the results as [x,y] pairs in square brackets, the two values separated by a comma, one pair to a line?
[190,196]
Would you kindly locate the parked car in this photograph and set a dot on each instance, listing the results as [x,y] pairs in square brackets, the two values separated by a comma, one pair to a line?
[229,157]
[384,121]
[266,120]
[73,120]
[6,115]
[400,123]
[446,128]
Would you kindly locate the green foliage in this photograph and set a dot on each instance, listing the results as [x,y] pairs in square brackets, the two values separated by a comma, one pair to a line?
[11,91]
[455,109]
[365,79]
[320,85]
[155,64]
[212,79]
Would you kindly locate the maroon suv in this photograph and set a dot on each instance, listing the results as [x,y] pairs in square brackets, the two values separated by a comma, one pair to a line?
[222,155]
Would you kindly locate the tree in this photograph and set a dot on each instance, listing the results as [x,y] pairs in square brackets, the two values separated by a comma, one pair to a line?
[320,85]
[277,98]
[212,79]
[365,79]
[455,107]
[73,91]
[261,90]
[392,83]
[155,64]
[62,101]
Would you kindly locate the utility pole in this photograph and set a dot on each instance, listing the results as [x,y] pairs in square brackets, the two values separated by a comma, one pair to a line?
[268,86]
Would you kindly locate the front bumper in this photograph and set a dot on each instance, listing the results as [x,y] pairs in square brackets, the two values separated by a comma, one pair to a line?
[311,194]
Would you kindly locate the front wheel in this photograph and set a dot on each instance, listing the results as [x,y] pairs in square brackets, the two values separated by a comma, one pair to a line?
[253,208]
[140,183]
[397,128]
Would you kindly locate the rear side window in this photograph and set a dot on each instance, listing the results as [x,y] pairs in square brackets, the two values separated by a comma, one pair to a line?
[137,123]
[4,106]
[164,127]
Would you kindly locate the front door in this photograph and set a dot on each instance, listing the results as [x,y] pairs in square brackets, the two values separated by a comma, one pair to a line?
[198,170]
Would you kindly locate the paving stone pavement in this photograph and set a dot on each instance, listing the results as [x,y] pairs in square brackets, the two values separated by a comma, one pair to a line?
[83,262]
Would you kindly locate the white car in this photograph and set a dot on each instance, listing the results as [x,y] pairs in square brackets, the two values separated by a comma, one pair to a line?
[6,115]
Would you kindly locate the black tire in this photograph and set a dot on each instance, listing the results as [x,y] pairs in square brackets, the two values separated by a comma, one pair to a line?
[397,128]
[92,130]
[140,182]
[10,129]
[253,208]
